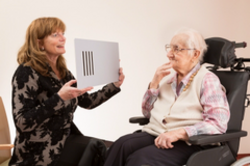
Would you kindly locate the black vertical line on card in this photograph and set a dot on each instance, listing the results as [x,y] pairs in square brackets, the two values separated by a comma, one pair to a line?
[87,66]
[83,62]
[92,62]
[89,62]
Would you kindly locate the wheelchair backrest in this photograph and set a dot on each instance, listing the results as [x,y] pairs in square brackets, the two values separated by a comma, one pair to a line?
[221,54]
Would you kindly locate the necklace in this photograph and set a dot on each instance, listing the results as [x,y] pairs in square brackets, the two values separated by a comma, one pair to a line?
[190,80]
[185,88]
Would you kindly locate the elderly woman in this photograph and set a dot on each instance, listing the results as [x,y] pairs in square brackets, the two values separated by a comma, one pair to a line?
[44,99]
[190,102]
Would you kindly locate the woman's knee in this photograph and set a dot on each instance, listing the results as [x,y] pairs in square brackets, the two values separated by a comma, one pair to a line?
[137,158]
[124,143]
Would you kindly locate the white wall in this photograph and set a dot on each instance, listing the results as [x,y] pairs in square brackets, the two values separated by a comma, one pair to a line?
[142,28]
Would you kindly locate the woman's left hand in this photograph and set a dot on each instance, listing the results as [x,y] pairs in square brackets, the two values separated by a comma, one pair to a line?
[165,140]
[121,79]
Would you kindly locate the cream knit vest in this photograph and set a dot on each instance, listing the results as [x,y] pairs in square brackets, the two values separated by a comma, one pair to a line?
[185,110]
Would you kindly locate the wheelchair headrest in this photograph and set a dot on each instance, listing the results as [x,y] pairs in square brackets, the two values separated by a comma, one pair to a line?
[220,52]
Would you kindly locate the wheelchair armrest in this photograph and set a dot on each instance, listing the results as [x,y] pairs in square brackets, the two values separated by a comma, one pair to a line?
[199,139]
[139,119]
[209,139]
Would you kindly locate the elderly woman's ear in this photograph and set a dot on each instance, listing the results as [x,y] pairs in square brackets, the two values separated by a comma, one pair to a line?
[196,55]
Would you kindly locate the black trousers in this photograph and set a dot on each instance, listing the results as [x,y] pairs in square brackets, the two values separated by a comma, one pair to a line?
[82,151]
[138,149]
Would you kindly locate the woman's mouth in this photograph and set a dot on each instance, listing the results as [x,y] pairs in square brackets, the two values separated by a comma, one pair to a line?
[60,46]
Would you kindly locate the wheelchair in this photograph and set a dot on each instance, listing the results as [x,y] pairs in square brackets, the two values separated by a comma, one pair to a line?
[234,76]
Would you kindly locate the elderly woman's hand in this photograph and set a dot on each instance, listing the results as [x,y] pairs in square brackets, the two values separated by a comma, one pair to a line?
[165,140]
[67,92]
[161,72]
[121,78]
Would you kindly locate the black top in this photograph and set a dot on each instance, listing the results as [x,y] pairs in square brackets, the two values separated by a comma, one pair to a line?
[43,120]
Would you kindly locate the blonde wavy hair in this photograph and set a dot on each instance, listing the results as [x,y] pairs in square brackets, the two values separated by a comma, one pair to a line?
[30,53]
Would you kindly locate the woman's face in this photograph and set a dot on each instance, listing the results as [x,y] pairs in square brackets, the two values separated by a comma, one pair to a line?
[54,43]
[179,56]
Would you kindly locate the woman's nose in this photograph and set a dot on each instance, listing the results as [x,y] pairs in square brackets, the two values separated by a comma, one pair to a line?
[63,38]
[170,54]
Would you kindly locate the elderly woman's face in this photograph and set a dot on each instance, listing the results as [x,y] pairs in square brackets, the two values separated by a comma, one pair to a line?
[179,56]
[54,43]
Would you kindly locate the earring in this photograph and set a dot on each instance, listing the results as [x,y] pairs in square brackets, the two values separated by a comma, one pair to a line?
[42,48]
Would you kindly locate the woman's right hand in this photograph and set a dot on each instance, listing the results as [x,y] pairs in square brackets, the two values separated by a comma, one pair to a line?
[67,92]
[160,73]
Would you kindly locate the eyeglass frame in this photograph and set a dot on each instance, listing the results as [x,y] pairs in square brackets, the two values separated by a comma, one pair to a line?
[177,50]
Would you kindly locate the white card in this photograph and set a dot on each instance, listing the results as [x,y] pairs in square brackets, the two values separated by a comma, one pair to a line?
[97,62]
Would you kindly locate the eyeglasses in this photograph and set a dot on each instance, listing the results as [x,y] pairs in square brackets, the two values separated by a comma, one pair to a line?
[175,49]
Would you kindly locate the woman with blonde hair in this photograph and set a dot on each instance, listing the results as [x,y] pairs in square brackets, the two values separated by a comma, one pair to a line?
[45,97]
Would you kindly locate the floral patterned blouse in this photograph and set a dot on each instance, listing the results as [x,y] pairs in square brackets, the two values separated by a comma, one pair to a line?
[42,119]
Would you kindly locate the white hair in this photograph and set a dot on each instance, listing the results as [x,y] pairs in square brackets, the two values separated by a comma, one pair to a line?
[193,39]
